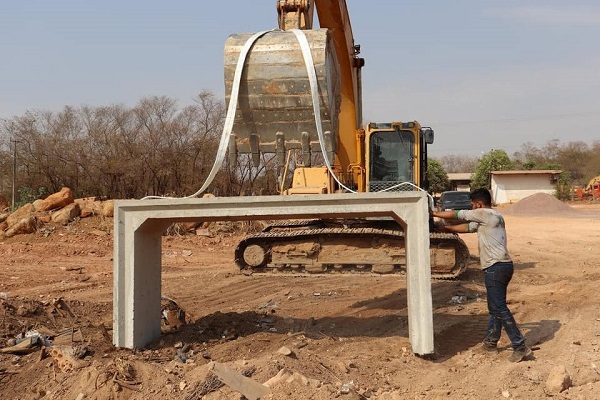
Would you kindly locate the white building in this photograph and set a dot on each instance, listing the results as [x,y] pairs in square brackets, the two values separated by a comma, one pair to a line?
[460,181]
[512,186]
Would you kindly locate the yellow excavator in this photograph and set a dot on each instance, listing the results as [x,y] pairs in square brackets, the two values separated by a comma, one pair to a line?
[298,89]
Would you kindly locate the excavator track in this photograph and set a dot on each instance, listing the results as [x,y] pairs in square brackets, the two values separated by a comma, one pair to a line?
[317,246]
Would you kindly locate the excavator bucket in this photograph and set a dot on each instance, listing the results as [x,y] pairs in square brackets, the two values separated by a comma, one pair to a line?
[274,103]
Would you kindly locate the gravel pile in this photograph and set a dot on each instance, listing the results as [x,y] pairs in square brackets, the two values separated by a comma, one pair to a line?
[540,204]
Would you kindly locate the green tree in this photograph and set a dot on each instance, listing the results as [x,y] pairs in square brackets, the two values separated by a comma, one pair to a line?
[437,176]
[563,186]
[495,160]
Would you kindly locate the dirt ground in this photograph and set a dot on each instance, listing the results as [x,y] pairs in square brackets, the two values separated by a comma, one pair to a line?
[309,337]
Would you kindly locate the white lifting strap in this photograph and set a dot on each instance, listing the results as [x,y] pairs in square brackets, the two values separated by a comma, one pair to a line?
[312,79]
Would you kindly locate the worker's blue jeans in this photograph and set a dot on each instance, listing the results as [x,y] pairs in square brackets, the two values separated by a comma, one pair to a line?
[497,277]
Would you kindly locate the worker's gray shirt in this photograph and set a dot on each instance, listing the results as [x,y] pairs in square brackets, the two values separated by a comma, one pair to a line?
[491,234]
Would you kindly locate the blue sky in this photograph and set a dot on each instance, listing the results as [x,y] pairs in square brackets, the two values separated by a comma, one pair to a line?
[484,74]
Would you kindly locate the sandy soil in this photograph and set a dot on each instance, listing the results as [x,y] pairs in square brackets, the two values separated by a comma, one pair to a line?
[312,337]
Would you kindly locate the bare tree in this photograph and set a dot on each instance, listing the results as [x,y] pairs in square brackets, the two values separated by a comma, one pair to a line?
[458,163]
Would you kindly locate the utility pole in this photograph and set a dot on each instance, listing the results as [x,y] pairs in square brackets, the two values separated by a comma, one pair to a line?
[14,174]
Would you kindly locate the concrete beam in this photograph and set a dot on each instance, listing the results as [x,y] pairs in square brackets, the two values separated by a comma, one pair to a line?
[139,224]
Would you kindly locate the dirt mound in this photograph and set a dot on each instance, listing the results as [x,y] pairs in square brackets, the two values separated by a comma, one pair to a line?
[540,204]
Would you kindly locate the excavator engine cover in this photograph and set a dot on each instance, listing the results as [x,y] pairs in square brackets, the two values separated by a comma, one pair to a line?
[275,107]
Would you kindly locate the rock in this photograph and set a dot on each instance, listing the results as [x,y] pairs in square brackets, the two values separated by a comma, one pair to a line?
[85,201]
[300,378]
[86,212]
[57,200]
[89,206]
[558,380]
[282,376]
[25,225]
[43,217]
[349,391]
[286,351]
[64,358]
[189,226]
[3,216]
[20,213]
[38,204]
[287,376]
[66,214]
[108,208]
[342,367]
[22,311]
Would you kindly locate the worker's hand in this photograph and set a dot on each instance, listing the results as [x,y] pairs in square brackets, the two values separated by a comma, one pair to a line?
[439,225]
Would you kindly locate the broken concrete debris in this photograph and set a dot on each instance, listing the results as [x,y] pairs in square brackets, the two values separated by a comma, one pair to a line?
[250,388]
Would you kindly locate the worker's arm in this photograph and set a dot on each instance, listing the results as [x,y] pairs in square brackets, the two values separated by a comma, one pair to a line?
[465,227]
[450,214]
[458,228]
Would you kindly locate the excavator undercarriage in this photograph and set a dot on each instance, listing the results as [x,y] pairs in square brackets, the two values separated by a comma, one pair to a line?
[321,246]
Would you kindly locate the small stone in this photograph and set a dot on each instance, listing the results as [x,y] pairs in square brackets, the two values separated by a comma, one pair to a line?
[22,311]
[285,351]
[505,393]
[347,387]
[558,381]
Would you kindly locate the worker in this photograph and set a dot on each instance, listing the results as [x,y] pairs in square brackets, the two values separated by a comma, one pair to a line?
[497,265]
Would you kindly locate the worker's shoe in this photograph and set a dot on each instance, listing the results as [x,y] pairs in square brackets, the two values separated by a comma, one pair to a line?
[520,354]
[489,347]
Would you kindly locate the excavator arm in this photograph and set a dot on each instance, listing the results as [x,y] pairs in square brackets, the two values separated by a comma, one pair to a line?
[333,15]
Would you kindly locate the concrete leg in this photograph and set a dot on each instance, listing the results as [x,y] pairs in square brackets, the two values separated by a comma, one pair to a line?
[137,283]
[418,283]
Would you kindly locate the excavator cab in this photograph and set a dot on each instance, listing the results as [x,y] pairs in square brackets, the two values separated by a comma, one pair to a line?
[396,156]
